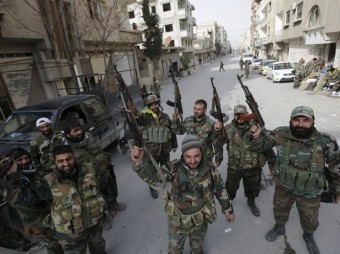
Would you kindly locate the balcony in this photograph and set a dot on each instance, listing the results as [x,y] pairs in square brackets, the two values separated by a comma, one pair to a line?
[193,21]
[186,34]
[261,41]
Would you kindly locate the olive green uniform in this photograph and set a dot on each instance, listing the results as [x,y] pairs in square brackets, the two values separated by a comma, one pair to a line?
[299,174]
[190,205]
[300,74]
[41,152]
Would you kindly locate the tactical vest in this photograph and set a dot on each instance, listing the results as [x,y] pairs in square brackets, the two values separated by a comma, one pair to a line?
[156,134]
[75,209]
[300,171]
[239,154]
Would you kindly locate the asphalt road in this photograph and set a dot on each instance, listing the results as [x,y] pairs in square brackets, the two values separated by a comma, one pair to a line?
[142,228]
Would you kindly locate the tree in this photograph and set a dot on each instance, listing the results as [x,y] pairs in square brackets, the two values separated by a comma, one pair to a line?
[218,48]
[153,34]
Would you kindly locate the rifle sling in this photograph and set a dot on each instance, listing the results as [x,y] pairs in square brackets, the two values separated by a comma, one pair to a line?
[159,171]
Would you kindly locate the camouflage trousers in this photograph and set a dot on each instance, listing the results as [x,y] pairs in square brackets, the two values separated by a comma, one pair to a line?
[109,189]
[77,244]
[52,244]
[251,182]
[177,239]
[308,208]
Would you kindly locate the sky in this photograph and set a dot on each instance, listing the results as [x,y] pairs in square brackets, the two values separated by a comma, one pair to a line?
[234,15]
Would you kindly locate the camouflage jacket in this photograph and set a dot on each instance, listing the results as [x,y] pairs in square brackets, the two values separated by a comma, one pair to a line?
[300,163]
[41,152]
[300,71]
[190,191]
[204,130]
[89,151]
[75,206]
[243,153]
[30,196]
[150,124]
[310,67]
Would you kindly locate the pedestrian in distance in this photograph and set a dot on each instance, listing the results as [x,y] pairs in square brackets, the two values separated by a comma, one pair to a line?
[247,68]
[221,66]
[190,206]
[303,156]
[155,87]
[241,64]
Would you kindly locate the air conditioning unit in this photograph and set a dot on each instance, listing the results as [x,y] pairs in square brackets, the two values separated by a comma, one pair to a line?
[293,6]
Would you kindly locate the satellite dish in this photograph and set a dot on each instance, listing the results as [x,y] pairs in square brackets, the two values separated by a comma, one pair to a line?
[167,41]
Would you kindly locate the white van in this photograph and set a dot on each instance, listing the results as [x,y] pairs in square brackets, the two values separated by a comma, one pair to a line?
[247,57]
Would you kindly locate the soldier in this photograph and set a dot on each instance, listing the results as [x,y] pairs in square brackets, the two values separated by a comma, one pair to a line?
[246,69]
[300,73]
[156,88]
[244,160]
[42,145]
[200,125]
[303,153]
[221,66]
[75,201]
[86,149]
[33,213]
[191,205]
[241,64]
[158,135]
[311,66]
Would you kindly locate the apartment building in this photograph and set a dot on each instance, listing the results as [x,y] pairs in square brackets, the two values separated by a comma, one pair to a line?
[55,48]
[289,30]
[177,22]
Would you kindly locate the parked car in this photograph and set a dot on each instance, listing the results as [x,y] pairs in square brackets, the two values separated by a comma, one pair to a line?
[247,57]
[281,71]
[256,62]
[104,122]
[262,68]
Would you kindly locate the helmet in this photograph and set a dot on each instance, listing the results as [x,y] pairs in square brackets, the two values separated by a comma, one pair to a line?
[152,99]
[240,109]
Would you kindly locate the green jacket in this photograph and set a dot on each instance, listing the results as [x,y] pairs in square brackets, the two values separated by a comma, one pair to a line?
[300,163]
[77,205]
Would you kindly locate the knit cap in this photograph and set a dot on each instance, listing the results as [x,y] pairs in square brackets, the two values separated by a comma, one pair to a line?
[190,142]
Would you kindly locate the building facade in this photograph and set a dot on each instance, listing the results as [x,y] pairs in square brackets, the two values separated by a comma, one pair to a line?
[54,48]
[294,29]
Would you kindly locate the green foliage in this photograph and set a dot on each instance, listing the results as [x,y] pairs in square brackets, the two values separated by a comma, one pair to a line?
[185,60]
[218,48]
[153,34]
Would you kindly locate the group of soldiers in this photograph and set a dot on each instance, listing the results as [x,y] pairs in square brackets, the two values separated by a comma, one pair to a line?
[65,187]
[245,65]
[298,169]
[64,191]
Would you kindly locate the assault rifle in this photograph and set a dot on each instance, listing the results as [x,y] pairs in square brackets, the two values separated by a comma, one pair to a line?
[217,114]
[177,103]
[256,115]
[134,131]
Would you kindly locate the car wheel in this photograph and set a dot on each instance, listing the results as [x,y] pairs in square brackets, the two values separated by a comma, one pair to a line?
[273,80]
[267,77]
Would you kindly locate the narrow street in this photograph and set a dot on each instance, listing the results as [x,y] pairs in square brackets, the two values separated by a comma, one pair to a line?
[142,228]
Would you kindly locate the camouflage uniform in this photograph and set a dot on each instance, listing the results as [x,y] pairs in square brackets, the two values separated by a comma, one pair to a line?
[77,210]
[241,64]
[203,129]
[158,135]
[89,150]
[246,69]
[300,73]
[299,176]
[156,88]
[310,67]
[190,206]
[41,152]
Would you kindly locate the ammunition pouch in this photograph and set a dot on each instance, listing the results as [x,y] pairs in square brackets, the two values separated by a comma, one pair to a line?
[192,221]
[156,134]
[299,180]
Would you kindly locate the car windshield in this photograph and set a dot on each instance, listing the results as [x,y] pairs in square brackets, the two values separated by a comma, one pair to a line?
[20,126]
[283,66]
[247,55]
[267,63]
[257,60]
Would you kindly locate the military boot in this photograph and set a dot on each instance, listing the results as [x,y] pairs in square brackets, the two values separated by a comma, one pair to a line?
[275,232]
[253,207]
[311,244]
[154,193]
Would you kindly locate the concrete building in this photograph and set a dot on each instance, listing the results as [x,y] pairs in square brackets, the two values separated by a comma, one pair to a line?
[177,22]
[55,48]
[289,30]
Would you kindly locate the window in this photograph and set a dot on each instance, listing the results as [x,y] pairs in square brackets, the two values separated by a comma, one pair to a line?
[314,16]
[168,28]
[299,10]
[153,9]
[287,18]
[268,30]
[131,14]
[166,7]
[172,43]
[96,109]
[270,6]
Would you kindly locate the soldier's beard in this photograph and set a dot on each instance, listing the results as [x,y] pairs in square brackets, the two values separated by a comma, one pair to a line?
[301,132]
[78,138]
